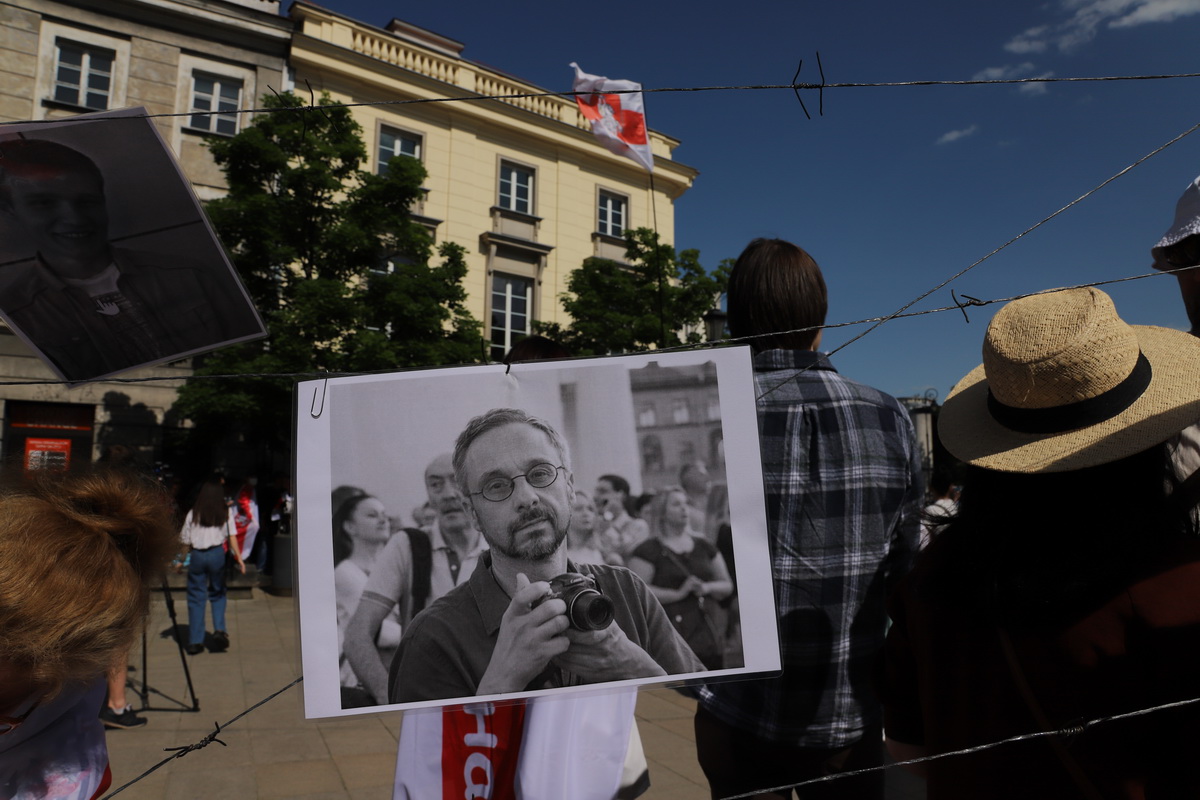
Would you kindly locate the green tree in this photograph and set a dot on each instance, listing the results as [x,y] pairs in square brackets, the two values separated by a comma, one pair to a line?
[345,280]
[648,301]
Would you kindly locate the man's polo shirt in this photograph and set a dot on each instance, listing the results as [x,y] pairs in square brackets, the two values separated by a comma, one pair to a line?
[391,574]
[447,648]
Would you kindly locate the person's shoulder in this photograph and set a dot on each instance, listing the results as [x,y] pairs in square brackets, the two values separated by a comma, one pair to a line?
[647,549]
[19,283]
[863,393]
[438,620]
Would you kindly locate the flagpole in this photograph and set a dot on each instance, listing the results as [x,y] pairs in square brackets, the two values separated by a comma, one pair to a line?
[662,324]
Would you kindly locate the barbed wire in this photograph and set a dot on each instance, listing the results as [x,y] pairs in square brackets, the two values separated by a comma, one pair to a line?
[959,305]
[467,98]
[979,261]
[1066,733]
[180,752]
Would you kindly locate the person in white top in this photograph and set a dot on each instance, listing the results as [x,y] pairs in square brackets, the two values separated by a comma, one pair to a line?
[208,531]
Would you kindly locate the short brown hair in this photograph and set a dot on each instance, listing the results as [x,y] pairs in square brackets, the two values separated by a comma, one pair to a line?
[775,286]
[496,418]
[77,553]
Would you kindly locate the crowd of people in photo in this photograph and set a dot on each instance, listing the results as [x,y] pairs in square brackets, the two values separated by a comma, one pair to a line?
[677,547]
[1050,579]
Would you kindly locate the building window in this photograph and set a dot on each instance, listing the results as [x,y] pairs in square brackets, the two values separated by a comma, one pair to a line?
[611,214]
[680,413]
[215,101]
[512,304]
[652,454]
[647,417]
[83,74]
[395,142]
[516,188]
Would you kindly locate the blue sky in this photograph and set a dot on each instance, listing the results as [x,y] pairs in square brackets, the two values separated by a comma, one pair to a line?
[894,189]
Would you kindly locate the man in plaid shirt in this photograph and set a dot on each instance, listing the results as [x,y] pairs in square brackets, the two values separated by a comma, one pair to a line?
[843,491]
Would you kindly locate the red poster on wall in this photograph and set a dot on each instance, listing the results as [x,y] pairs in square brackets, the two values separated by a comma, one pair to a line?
[47,454]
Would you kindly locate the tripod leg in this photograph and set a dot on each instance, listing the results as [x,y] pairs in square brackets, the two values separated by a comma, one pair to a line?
[187,673]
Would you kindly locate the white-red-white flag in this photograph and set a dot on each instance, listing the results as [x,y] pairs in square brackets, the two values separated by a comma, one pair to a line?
[617,115]
[546,748]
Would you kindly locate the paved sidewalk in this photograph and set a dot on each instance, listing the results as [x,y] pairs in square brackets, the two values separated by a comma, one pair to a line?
[273,752]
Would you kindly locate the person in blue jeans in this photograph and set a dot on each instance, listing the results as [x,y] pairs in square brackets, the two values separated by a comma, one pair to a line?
[208,531]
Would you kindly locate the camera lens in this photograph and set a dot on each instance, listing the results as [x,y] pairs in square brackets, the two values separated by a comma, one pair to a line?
[591,611]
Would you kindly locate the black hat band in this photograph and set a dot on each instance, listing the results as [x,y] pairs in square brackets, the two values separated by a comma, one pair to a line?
[1092,411]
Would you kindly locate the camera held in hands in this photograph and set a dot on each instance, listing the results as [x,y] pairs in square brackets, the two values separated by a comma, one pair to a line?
[587,608]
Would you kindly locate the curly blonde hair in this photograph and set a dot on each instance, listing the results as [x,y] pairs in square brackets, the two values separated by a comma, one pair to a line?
[77,553]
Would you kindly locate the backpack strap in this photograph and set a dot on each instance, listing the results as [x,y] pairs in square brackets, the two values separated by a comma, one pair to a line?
[422,566]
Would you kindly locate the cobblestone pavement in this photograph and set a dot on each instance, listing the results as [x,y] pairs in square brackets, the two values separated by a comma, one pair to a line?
[273,752]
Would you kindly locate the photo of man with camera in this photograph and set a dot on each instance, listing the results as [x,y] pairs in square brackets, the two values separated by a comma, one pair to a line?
[528,619]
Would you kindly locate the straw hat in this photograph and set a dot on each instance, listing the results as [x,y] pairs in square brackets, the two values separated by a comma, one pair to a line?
[1066,384]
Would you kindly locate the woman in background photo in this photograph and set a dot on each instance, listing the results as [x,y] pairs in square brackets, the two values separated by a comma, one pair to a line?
[360,530]
[686,573]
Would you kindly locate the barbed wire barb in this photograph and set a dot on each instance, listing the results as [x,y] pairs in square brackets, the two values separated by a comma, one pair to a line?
[796,90]
[821,88]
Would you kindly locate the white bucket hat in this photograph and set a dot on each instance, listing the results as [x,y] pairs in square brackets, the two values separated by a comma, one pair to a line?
[1187,223]
[1066,384]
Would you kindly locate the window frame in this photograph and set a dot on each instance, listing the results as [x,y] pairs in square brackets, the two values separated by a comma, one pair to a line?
[88,72]
[510,336]
[211,115]
[189,66]
[531,201]
[46,79]
[382,128]
[603,227]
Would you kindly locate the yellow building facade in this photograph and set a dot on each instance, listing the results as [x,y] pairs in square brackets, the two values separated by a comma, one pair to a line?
[521,183]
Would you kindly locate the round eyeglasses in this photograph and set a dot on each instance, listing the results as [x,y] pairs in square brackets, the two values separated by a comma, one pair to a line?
[498,488]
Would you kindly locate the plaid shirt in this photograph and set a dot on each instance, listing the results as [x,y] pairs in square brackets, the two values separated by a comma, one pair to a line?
[843,489]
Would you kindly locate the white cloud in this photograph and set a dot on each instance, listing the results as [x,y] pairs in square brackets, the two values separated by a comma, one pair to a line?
[1032,40]
[1156,11]
[954,136]
[1006,72]
[1087,17]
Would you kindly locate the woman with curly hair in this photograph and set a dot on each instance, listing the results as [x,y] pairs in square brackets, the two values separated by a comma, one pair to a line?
[77,553]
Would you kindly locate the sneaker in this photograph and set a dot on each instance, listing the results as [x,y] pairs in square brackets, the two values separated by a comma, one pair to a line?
[219,642]
[193,649]
[126,719]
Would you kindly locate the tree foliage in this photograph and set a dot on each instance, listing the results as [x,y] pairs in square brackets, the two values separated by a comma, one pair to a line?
[345,280]
[658,298]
